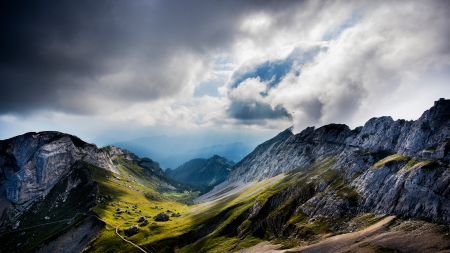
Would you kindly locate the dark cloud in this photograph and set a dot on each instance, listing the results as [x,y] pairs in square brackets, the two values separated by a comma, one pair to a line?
[55,51]
[250,111]
[110,58]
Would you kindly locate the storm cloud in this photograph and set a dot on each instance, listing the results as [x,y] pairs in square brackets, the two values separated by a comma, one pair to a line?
[79,56]
[260,64]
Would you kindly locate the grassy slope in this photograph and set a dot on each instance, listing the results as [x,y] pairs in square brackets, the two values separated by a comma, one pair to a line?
[226,215]
[220,225]
[135,194]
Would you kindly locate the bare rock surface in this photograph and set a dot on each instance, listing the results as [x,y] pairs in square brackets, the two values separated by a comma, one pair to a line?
[34,162]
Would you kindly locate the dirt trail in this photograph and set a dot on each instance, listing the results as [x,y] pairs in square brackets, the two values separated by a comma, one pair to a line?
[344,242]
[409,236]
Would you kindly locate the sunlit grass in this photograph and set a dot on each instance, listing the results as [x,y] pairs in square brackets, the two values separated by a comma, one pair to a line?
[122,199]
[126,197]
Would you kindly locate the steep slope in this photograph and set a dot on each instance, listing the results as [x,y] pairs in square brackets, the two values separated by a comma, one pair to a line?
[54,216]
[413,179]
[293,190]
[205,172]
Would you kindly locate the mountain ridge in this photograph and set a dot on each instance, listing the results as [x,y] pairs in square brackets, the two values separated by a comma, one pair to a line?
[426,138]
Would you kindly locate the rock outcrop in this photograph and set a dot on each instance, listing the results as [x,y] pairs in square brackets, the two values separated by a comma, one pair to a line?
[132,230]
[161,217]
[32,163]
[147,163]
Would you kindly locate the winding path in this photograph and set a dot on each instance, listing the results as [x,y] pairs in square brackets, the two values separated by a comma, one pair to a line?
[63,220]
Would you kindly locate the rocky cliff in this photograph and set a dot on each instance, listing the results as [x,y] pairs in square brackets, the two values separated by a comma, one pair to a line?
[427,138]
[32,163]
[47,189]
[384,167]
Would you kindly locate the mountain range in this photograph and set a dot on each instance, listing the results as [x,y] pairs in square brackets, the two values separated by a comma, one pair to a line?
[172,152]
[381,187]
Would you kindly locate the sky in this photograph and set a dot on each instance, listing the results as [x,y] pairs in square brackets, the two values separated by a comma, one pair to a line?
[114,70]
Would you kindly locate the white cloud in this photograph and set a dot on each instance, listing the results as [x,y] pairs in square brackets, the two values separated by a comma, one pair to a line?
[369,65]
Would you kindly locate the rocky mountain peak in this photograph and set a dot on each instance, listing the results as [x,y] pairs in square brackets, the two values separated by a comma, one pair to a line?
[386,167]
[426,138]
[32,163]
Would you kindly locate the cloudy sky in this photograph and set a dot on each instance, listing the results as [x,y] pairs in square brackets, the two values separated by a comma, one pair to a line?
[123,69]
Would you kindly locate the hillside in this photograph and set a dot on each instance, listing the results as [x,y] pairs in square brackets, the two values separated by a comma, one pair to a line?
[205,172]
[333,180]
[58,193]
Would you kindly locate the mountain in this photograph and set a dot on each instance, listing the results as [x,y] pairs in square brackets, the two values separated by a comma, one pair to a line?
[232,152]
[424,139]
[394,167]
[205,172]
[58,193]
[381,187]
[379,184]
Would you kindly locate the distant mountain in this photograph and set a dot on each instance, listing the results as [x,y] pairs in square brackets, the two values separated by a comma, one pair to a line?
[172,152]
[205,172]
[155,147]
[232,152]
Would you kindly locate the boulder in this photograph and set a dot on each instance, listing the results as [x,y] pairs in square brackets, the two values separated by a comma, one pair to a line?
[161,217]
[132,230]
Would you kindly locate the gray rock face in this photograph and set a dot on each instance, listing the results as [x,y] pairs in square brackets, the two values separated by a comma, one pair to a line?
[115,152]
[426,138]
[32,163]
[420,190]
[388,167]
[287,152]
